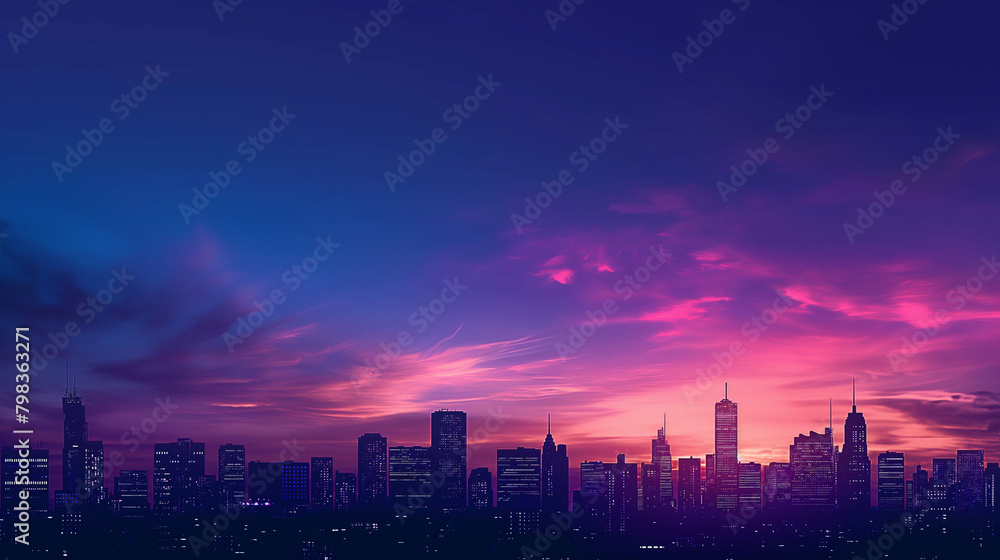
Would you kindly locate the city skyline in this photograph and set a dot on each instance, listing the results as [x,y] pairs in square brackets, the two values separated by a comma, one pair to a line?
[76,422]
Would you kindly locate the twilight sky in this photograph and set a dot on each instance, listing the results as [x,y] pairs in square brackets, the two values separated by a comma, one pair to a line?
[774,250]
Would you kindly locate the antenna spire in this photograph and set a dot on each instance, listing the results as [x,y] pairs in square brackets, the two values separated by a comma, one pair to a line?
[664,423]
[831,414]
[854,396]
[727,391]
[550,424]
[67,378]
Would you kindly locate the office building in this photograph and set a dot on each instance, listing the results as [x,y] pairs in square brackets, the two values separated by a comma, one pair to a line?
[233,472]
[321,483]
[555,475]
[449,457]
[969,484]
[346,495]
[777,486]
[688,484]
[480,489]
[663,462]
[749,499]
[726,456]
[854,468]
[373,479]
[891,489]
[812,459]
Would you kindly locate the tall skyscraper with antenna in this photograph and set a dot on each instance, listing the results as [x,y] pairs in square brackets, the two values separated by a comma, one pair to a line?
[74,438]
[726,454]
[555,475]
[854,470]
[663,463]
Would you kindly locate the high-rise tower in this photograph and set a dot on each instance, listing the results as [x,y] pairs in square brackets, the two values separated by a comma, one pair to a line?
[726,458]
[663,463]
[555,475]
[854,470]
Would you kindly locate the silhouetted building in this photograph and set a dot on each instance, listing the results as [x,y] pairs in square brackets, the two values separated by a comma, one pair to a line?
[941,490]
[595,485]
[777,486]
[346,486]
[891,489]
[649,475]
[813,471]
[555,475]
[35,480]
[662,460]
[623,495]
[233,472]
[132,493]
[726,454]
[708,484]
[449,457]
[321,492]
[519,488]
[921,484]
[294,486]
[372,472]
[854,467]
[688,484]
[409,477]
[992,487]
[969,484]
[519,479]
[749,487]
[74,440]
[480,489]
[264,482]
[176,468]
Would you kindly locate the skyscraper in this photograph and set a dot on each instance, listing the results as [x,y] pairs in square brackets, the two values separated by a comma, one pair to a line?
[623,495]
[921,483]
[176,468]
[813,470]
[891,488]
[346,495]
[264,483]
[555,475]
[519,479]
[449,457]
[321,492]
[519,488]
[726,455]
[969,484]
[74,440]
[749,487]
[91,488]
[480,489]
[233,472]
[992,487]
[409,477]
[132,491]
[941,490]
[854,469]
[688,484]
[372,472]
[294,486]
[777,486]
[662,460]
